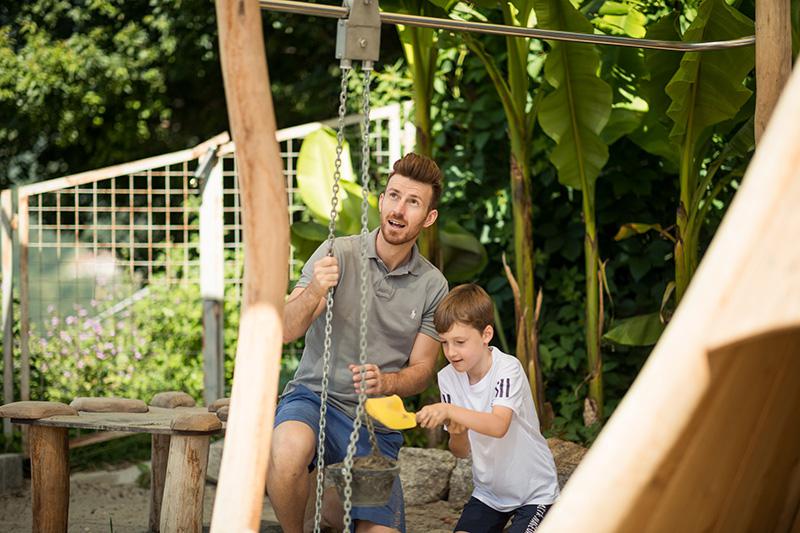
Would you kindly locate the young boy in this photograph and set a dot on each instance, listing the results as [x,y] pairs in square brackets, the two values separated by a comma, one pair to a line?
[488,409]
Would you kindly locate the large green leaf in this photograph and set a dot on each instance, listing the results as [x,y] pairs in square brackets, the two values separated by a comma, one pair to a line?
[315,167]
[660,67]
[463,256]
[642,330]
[579,107]
[708,87]
[621,18]
[306,237]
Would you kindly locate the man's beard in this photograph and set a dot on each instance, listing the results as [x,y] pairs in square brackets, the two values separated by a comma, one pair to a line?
[406,235]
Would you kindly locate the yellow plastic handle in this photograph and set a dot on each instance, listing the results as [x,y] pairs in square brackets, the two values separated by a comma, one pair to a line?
[391,412]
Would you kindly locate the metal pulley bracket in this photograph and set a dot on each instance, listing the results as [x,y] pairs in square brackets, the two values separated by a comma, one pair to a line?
[358,37]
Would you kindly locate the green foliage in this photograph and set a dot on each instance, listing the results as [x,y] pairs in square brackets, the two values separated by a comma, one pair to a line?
[578,108]
[642,330]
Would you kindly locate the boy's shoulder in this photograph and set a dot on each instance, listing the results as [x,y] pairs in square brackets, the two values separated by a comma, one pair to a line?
[506,362]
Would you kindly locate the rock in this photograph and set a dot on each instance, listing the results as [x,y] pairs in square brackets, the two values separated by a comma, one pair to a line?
[568,456]
[214,460]
[425,474]
[461,484]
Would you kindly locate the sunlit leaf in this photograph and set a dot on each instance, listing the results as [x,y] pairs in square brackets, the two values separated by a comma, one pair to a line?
[641,330]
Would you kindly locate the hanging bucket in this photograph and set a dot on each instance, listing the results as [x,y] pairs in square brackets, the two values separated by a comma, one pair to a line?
[373,477]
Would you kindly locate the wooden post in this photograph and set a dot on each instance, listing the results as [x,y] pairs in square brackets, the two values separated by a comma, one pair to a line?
[159,455]
[773,57]
[266,267]
[7,312]
[182,505]
[212,284]
[24,301]
[49,478]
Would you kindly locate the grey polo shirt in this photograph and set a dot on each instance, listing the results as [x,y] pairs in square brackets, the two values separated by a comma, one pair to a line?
[400,304]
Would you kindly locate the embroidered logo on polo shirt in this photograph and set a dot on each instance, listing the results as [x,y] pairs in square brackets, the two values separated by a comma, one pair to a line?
[413,314]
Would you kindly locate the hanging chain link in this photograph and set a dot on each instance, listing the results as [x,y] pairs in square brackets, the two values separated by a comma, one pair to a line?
[326,354]
[362,356]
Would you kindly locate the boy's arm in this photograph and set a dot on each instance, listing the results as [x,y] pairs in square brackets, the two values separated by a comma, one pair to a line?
[459,441]
[494,424]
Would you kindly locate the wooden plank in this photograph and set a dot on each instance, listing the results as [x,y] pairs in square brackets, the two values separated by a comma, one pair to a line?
[7,317]
[96,438]
[157,421]
[24,301]
[212,284]
[125,168]
[265,227]
[773,57]
[182,503]
[49,479]
[746,288]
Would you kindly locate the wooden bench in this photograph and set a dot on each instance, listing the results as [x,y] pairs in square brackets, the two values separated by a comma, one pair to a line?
[180,442]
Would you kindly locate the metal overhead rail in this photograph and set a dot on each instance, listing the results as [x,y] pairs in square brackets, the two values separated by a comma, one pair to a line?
[321,10]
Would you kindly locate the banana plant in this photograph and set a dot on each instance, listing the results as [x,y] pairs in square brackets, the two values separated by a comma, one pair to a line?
[519,102]
[464,257]
[697,92]
[574,114]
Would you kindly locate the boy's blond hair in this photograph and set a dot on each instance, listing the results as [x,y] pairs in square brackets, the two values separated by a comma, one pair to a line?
[468,304]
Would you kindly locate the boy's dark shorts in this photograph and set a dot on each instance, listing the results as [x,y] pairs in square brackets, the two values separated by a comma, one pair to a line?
[477,517]
[302,405]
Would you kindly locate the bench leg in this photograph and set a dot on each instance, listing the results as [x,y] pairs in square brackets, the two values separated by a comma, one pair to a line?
[182,503]
[49,478]
[159,453]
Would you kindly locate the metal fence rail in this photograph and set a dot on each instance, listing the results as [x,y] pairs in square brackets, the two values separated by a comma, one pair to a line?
[105,235]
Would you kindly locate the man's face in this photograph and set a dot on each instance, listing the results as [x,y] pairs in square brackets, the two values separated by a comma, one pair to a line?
[404,209]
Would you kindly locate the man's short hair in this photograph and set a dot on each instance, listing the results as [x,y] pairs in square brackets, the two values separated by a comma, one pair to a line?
[467,304]
[422,169]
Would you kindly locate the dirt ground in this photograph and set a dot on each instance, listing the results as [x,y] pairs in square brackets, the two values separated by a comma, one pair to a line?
[111,501]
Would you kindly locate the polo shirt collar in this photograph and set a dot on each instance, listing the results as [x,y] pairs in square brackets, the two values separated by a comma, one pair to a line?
[409,267]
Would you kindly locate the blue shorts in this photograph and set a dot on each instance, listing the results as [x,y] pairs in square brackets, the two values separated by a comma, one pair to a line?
[302,405]
[477,517]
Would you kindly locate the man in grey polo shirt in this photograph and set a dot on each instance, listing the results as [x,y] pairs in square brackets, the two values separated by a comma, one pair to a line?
[402,344]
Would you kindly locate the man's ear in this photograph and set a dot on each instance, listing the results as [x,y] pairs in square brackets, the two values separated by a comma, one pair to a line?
[488,334]
[433,214]
[380,203]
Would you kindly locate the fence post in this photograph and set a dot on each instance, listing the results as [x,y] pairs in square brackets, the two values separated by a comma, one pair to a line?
[23,224]
[212,284]
[7,312]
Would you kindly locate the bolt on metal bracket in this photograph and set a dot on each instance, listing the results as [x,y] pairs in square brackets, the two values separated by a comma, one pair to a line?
[358,37]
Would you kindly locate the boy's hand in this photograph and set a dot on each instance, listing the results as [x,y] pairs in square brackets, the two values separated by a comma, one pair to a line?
[326,275]
[433,415]
[374,384]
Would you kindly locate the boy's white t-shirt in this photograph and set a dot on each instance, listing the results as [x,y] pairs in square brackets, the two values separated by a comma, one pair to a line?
[517,469]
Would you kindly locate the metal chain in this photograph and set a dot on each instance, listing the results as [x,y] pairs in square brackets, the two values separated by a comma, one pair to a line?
[362,356]
[326,354]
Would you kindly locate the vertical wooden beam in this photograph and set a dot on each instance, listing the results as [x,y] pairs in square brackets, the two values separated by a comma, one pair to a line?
[212,284]
[159,455]
[7,312]
[265,227]
[182,506]
[24,301]
[49,478]
[773,57]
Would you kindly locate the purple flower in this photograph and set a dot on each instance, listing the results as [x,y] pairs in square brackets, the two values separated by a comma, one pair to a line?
[42,342]
[67,374]
[137,355]
[65,336]
[83,337]
[70,320]
[100,355]
[80,364]
[54,321]
[82,312]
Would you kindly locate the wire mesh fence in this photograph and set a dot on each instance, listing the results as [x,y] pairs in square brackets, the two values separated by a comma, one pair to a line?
[94,245]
